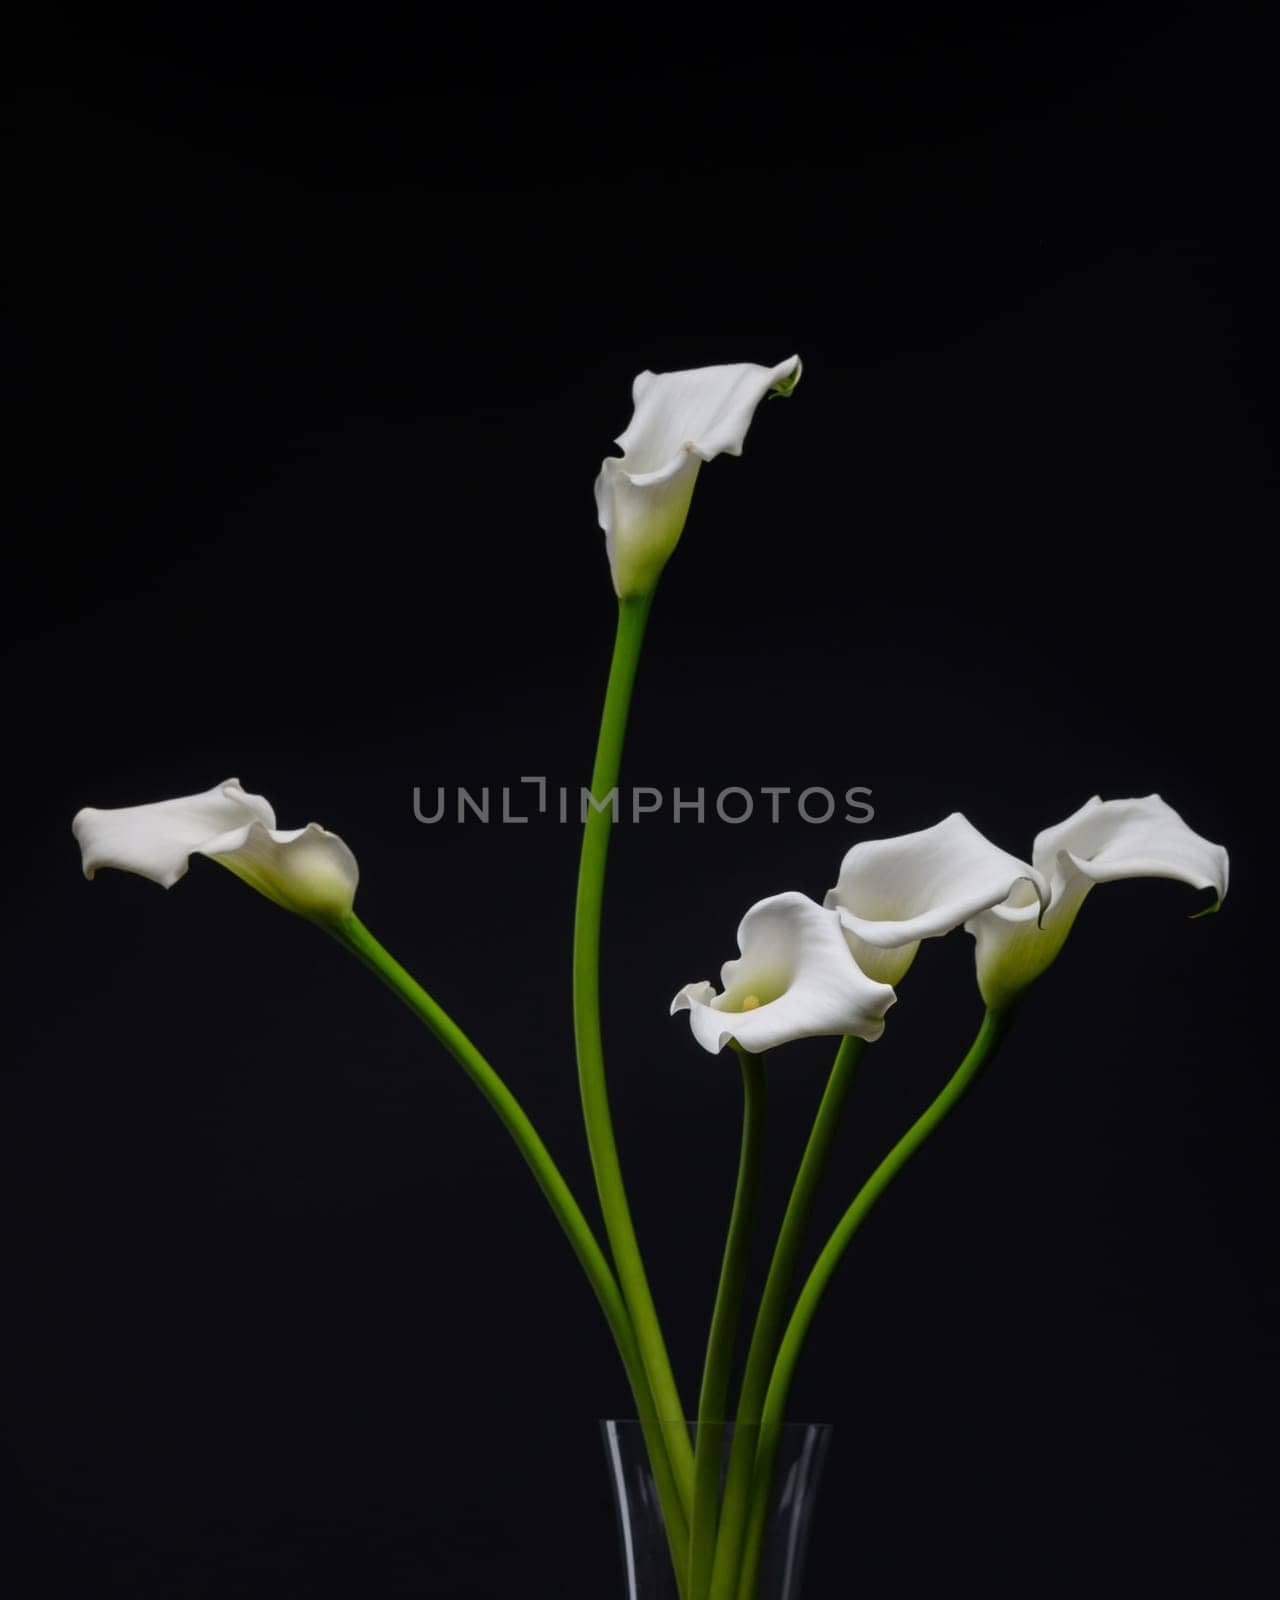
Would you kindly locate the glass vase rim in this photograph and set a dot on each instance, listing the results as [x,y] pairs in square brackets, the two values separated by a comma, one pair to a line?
[714,1422]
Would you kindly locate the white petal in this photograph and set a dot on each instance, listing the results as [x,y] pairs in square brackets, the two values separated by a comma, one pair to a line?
[1110,839]
[796,963]
[306,870]
[680,420]
[705,409]
[156,840]
[894,892]
[1103,841]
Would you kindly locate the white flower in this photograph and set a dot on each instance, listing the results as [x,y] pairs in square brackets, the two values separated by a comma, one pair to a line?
[1104,840]
[894,892]
[795,977]
[305,870]
[681,419]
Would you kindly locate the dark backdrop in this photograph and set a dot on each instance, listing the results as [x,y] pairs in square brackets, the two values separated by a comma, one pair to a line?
[321,329]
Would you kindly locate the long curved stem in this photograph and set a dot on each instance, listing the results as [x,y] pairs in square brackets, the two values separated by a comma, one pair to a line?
[772,1315]
[994,1027]
[724,1327]
[352,933]
[632,615]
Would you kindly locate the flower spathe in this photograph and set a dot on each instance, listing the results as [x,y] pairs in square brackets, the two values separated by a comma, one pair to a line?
[306,870]
[1102,841]
[680,420]
[796,977]
[894,892]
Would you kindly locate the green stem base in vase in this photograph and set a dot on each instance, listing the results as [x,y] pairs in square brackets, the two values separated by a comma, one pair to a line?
[648,1573]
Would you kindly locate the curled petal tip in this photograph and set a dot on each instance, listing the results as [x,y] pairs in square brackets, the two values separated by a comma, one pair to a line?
[786,383]
[689,995]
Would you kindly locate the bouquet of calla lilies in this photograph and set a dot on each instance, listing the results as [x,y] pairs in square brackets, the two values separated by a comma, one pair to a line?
[804,968]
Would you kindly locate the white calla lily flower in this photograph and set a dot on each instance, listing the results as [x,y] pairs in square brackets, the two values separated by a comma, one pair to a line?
[306,870]
[796,977]
[681,419]
[894,892]
[1103,841]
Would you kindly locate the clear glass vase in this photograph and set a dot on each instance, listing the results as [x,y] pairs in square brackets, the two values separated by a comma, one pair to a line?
[646,1556]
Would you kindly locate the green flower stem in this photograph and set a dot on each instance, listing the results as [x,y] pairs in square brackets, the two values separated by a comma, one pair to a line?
[352,933]
[994,1027]
[772,1315]
[633,613]
[724,1327]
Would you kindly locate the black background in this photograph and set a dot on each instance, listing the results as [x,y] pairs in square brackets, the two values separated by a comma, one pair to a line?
[320,330]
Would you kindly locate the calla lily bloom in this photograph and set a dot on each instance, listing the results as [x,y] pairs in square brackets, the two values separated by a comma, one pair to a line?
[681,419]
[894,892]
[306,870]
[795,977]
[1104,840]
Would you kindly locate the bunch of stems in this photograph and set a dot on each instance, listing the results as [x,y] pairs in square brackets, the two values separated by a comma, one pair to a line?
[716,1535]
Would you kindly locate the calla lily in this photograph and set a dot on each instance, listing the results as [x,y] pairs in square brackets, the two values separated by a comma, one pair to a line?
[306,870]
[1104,840]
[894,892]
[795,977]
[681,419]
